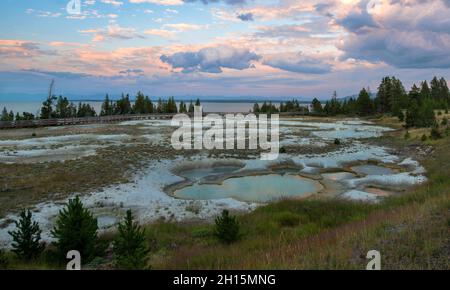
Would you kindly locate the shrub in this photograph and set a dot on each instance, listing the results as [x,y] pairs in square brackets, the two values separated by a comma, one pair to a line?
[435,133]
[76,229]
[201,233]
[3,260]
[282,150]
[407,135]
[444,122]
[287,219]
[401,116]
[424,137]
[27,237]
[337,141]
[227,228]
[130,247]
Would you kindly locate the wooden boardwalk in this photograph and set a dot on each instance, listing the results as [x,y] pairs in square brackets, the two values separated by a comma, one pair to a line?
[105,119]
[80,121]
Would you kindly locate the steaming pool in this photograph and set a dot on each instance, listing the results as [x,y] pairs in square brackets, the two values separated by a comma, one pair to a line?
[262,188]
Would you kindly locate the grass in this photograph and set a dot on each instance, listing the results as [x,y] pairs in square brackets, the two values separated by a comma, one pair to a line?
[411,231]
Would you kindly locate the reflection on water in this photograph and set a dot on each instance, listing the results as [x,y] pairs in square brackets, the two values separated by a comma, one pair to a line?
[263,188]
[338,176]
[370,169]
[199,173]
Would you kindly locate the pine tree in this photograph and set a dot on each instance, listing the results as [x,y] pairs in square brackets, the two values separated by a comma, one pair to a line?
[183,108]
[425,92]
[5,115]
[130,247]
[148,105]
[76,229]
[191,107]
[364,103]
[197,102]
[317,106]
[412,114]
[47,108]
[106,107]
[226,228]
[418,95]
[139,104]
[256,108]
[26,238]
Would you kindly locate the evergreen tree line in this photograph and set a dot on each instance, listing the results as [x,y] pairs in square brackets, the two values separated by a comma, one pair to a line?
[415,107]
[77,229]
[289,106]
[61,107]
[143,105]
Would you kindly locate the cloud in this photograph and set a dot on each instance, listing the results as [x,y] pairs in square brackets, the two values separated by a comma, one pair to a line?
[22,49]
[245,16]
[113,31]
[298,63]
[132,72]
[402,33]
[159,2]
[112,2]
[282,31]
[212,59]
[230,2]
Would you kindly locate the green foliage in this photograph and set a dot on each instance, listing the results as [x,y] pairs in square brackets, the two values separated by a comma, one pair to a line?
[64,109]
[85,110]
[76,229]
[424,138]
[130,246]
[407,135]
[317,106]
[183,108]
[287,219]
[291,106]
[24,117]
[435,133]
[27,237]
[444,122]
[364,103]
[7,117]
[226,228]
[269,108]
[47,108]
[256,108]
[123,106]
[422,116]
[191,107]
[107,107]
[3,260]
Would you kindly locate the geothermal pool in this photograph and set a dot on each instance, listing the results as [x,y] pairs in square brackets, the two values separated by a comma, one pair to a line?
[263,188]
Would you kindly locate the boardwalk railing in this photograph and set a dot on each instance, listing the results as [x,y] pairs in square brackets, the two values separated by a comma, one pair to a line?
[103,119]
[79,121]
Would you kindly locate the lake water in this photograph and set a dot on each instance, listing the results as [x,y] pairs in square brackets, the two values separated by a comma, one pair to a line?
[227,107]
[262,188]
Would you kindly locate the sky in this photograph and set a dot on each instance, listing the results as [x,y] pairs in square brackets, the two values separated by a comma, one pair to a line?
[220,48]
